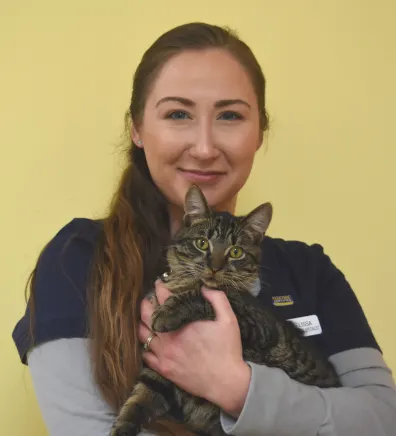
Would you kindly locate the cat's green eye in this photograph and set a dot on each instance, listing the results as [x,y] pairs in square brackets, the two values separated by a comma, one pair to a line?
[236,252]
[202,244]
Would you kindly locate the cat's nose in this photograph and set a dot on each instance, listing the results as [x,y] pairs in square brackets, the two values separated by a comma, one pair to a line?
[214,270]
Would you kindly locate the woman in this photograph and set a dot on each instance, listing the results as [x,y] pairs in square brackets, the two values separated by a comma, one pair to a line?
[197,116]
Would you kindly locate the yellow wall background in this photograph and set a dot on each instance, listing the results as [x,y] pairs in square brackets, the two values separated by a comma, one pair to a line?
[329,168]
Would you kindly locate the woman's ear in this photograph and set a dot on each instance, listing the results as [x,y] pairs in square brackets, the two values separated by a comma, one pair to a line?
[136,137]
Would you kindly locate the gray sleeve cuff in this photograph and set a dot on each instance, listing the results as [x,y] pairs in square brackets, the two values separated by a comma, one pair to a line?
[274,401]
[361,367]
[364,406]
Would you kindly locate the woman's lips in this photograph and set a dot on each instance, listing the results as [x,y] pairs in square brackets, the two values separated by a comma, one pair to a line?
[201,176]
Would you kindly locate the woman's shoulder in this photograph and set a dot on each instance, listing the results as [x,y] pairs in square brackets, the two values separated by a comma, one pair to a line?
[304,266]
[83,229]
[78,237]
[295,254]
[60,286]
[303,283]
[65,261]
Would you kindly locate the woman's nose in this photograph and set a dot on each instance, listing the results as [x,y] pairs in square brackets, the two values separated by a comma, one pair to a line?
[204,146]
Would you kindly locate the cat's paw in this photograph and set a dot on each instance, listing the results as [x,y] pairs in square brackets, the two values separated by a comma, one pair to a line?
[124,428]
[162,324]
[169,317]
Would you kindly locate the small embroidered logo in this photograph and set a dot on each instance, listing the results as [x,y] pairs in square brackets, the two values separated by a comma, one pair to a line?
[282,300]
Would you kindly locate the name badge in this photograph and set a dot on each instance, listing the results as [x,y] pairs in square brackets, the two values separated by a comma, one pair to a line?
[310,325]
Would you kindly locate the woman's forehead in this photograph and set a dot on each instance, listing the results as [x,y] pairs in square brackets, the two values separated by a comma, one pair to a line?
[209,75]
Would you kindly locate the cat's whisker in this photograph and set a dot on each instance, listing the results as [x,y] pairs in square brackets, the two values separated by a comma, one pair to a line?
[234,284]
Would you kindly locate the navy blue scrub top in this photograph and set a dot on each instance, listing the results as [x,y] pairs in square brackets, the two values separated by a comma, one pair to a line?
[297,279]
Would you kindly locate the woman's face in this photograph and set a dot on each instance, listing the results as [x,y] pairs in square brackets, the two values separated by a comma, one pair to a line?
[201,126]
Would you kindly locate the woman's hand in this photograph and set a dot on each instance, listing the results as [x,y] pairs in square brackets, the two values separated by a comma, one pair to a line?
[205,357]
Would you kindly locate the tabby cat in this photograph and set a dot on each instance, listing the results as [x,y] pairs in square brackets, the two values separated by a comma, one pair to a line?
[221,252]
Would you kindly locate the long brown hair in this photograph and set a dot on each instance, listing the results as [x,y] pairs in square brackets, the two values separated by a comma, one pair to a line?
[129,254]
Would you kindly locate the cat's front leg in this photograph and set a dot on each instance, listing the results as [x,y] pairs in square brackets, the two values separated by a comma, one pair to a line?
[181,309]
[145,405]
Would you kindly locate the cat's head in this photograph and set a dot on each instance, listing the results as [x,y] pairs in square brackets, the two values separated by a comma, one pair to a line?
[220,250]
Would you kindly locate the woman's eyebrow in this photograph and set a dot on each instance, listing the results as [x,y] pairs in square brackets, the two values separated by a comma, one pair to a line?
[187,102]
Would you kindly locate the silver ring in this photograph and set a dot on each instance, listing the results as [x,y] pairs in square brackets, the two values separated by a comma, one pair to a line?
[146,346]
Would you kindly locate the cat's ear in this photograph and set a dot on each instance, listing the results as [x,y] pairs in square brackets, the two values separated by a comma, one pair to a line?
[195,206]
[258,220]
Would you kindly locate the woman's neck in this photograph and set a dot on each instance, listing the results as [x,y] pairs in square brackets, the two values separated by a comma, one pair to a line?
[176,218]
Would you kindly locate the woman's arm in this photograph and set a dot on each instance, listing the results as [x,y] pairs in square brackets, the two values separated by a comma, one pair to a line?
[68,397]
[277,405]
[203,359]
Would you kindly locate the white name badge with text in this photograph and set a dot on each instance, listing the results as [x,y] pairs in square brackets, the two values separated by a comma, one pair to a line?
[310,325]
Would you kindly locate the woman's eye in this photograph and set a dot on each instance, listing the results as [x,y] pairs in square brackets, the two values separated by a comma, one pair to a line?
[230,116]
[177,115]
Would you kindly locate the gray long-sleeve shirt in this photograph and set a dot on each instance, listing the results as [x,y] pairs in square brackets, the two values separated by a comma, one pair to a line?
[71,403]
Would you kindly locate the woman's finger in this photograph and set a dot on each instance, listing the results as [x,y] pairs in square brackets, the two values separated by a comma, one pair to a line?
[220,303]
[144,333]
[146,311]
[162,292]
[151,360]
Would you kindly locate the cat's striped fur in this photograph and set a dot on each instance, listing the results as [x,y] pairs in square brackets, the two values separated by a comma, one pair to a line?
[207,251]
